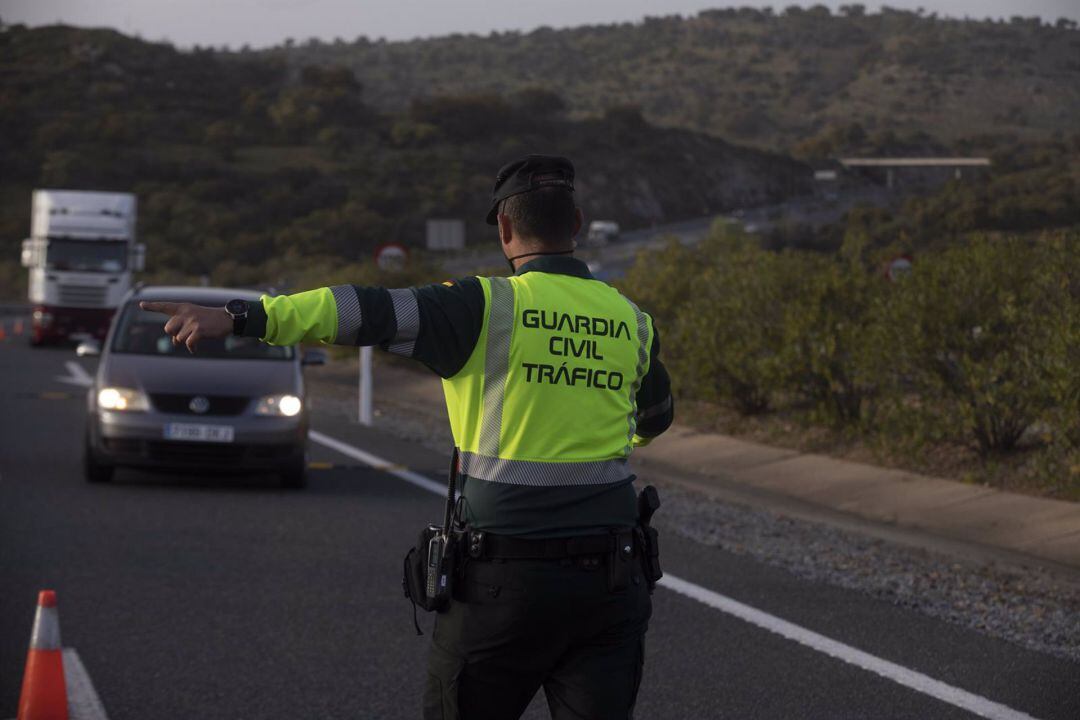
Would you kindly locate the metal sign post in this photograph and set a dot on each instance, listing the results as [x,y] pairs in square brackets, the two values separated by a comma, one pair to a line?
[364,414]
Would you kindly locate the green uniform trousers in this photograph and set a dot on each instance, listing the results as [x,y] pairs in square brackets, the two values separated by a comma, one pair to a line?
[517,625]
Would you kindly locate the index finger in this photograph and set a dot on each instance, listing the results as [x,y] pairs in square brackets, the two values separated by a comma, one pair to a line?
[168,308]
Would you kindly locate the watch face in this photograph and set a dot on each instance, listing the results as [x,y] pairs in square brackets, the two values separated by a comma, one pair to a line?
[236,307]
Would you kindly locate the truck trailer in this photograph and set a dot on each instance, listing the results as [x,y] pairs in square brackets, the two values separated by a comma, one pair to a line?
[81,254]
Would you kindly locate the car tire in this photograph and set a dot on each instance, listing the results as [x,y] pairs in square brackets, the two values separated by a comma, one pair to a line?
[94,471]
[293,474]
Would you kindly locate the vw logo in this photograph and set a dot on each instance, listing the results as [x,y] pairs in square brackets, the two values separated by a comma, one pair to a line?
[199,404]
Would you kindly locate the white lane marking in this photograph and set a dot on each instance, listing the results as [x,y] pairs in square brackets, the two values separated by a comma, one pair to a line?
[378,463]
[76,375]
[897,673]
[83,700]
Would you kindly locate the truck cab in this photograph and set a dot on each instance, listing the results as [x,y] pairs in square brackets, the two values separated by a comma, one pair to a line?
[81,254]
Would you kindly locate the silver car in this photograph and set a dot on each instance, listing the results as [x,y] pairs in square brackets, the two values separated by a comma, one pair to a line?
[236,404]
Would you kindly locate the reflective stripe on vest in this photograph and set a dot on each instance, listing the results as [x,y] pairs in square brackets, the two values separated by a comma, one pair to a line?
[642,359]
[496,364]
[601,418]
[549,474]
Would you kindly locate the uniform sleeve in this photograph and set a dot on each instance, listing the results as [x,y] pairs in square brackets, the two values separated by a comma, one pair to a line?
[656,409]
[451,315]
[435,324]
[326,315]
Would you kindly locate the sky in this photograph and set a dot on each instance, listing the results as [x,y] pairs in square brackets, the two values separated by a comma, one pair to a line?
[268,22]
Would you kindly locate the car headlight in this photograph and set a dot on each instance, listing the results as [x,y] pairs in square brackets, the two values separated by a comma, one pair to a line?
[287,405]
[113,398]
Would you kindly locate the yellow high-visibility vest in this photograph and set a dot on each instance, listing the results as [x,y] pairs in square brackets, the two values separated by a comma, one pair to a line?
[548,396]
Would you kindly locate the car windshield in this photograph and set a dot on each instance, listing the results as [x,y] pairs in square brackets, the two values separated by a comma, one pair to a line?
[87,255]
[143,333]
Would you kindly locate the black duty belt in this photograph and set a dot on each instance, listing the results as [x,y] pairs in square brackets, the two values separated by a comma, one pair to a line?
[505,547]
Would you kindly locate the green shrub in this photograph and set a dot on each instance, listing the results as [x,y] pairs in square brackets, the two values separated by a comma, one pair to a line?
[979,345]
[728,336]
[985,328]
[659,281]
[831,333]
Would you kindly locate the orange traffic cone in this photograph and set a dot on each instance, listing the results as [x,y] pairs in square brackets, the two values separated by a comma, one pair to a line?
[44,691]
[18,329]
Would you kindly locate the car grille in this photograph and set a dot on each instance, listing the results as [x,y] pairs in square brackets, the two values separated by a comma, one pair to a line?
[188,454]
[195,452]
[82,296]
[181,404]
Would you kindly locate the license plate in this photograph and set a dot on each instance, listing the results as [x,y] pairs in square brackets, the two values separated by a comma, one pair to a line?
[199,433]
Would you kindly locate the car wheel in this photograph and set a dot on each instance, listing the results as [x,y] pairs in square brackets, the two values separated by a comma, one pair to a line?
[294,473]
[94,471]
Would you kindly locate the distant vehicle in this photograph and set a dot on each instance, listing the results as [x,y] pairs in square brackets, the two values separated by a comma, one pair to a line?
[236,404]
[81,253]
[601,232]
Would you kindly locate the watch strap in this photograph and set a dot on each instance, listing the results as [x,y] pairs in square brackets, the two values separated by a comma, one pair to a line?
[239,318]
[239,322]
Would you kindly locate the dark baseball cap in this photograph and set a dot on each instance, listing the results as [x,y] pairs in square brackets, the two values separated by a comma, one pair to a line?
[530,173]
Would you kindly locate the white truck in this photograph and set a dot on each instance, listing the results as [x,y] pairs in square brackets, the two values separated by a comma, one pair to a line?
[81,254]
[601,232]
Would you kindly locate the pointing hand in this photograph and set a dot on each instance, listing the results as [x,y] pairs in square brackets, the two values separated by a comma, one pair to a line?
[188,324]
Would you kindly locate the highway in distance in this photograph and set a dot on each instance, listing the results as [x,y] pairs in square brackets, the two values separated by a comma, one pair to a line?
[203,596]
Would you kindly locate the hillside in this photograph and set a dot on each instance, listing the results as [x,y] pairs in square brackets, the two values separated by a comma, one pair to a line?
[236,158]
[239,158]
[755,77]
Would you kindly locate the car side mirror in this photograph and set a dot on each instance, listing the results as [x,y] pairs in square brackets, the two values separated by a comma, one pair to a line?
[88,348]
[313,357]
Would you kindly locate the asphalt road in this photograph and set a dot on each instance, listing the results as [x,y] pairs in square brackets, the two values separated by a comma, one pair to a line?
[205,596]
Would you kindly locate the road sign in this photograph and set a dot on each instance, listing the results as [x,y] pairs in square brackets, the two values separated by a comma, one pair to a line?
[391,256]
[899,267]
[445,234]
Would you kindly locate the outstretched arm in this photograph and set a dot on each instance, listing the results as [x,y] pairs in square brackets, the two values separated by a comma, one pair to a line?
[326,315]
[437,324]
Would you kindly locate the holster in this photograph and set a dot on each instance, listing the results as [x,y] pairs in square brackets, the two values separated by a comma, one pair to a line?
[649,541]
[648,503]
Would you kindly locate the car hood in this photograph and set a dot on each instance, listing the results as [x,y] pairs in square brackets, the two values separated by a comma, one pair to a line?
[151,374]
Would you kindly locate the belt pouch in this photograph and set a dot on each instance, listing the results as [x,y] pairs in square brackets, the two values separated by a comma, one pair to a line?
[416,571]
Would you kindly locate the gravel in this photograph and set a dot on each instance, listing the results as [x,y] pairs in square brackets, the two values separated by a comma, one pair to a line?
[1030,606]
[1026,605]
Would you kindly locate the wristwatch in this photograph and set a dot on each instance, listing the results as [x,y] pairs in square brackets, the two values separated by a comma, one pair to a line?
[238,311]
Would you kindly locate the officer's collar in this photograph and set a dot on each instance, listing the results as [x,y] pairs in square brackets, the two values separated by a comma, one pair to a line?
[557,264]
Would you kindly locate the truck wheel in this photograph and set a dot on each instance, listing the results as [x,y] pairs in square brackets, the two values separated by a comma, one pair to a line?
[293,473]
[94,471]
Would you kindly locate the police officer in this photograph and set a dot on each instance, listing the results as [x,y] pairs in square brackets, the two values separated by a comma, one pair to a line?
[551,378]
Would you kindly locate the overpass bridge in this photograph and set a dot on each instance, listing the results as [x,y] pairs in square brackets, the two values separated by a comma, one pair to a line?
[892,164]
